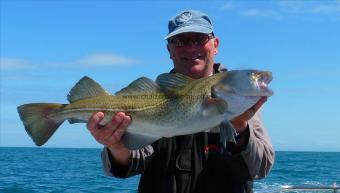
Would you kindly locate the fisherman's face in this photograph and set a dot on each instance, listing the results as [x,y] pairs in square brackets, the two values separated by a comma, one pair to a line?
[193,53]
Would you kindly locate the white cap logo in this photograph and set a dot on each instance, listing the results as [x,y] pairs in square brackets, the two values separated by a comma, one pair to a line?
[184,17]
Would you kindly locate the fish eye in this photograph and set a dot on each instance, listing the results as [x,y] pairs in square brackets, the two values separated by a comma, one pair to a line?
[255,76]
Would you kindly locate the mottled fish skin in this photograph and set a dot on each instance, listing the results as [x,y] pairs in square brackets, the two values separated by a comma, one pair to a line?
[161,108]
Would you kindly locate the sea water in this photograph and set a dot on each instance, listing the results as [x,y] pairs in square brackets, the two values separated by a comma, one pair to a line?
[42,170]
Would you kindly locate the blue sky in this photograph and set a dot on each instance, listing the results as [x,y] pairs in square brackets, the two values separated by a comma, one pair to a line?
[47,46]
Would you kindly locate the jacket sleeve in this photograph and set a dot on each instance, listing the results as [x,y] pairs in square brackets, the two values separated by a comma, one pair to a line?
[259,153]
[139,160]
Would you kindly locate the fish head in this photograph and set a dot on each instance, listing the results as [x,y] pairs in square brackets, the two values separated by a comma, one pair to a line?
[241,89]
[245,83]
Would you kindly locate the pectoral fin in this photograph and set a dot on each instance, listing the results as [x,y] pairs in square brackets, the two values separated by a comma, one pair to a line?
[137,141]
[214,106]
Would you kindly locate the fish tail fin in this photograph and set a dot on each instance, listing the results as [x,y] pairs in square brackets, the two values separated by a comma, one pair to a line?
[40,121]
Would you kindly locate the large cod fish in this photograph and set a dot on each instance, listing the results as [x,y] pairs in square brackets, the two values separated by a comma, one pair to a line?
[173,105]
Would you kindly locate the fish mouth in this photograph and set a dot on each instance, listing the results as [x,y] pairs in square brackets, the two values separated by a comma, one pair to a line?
[267,77]
[262,79]
[267,91]
[265,80]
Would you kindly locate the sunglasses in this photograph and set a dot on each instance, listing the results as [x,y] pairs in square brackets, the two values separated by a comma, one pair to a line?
[198,40]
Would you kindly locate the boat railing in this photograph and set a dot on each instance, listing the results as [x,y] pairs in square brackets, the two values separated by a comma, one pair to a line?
[286,188]
[304,189]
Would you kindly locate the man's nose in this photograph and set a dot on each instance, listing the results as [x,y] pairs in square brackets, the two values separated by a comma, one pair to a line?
[191,47]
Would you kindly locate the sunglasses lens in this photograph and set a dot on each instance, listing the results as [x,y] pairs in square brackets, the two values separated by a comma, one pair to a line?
[197,40]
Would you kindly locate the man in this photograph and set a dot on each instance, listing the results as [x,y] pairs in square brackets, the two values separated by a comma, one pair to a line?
[190,163]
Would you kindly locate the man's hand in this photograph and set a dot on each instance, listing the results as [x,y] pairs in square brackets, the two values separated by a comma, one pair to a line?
[110,135]
[240,123]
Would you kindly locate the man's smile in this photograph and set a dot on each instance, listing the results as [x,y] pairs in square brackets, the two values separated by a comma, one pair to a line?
[192,58]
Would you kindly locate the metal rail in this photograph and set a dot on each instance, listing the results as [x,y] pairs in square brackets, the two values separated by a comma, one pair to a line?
[333,188]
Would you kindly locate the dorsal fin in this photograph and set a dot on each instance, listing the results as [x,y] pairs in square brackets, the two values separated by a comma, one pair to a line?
[140,85]
[171,81]
[85,88]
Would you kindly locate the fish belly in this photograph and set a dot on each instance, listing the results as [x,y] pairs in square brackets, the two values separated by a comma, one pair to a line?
[172,127]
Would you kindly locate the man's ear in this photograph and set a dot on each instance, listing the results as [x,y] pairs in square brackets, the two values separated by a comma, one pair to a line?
[216,44]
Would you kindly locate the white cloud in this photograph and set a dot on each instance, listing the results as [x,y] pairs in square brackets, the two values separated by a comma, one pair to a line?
[227,6]
[312,7]
[260,13]
[319,72]
[283,9]
[97,59]
[105,59]
[11,63]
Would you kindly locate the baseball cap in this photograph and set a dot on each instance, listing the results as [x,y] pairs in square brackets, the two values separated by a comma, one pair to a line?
[189,21]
